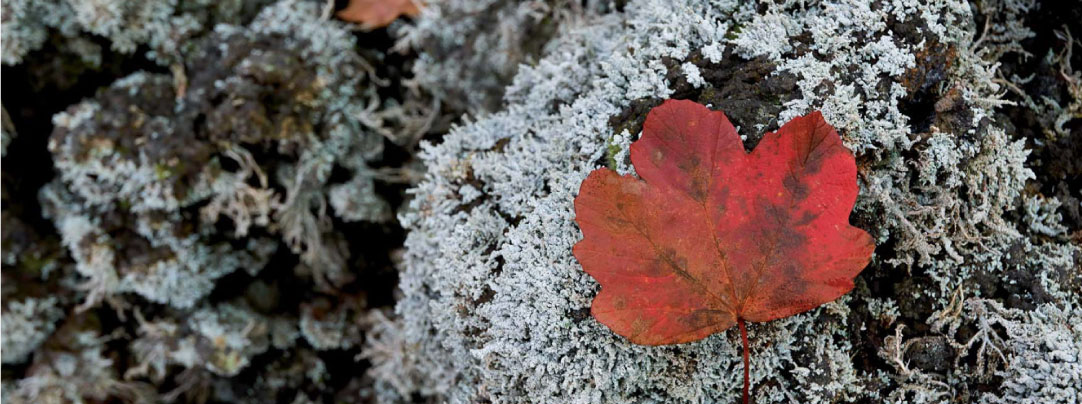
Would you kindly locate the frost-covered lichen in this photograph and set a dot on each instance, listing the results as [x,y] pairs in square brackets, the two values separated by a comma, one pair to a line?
[202,229]
[470,50]
[220,339]
[160,261]
[74,368]
[1044,351]
[27,324]
[162,26]
[218,177]
[495,308]
[135,161]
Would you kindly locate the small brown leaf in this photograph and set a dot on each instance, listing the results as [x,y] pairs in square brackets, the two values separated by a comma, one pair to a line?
[373,14]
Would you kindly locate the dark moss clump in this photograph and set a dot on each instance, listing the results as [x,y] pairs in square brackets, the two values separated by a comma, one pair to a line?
[250,90]
[133,123]
[243,89]
[32,263]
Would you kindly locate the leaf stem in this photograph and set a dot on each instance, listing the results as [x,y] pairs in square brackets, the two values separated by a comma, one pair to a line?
[744,338]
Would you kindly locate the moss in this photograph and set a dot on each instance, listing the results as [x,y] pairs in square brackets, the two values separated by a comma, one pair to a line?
[734,31]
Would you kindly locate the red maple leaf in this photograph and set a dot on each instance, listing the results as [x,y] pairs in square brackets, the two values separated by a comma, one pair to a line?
[713,236]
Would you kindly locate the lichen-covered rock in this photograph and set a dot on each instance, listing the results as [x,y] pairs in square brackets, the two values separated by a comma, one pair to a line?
[225,174]
[152,254]
[222,175]
[216,173]
[154,163]
[495,308]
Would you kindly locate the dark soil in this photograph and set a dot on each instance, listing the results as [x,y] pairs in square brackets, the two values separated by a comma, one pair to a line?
[1057,162]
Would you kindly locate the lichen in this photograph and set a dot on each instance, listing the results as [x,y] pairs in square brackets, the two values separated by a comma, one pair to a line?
[495,308]
[27,324]
[220,339]
[140,155]
[161,26]
[210,214]
[74,368]
[471,50]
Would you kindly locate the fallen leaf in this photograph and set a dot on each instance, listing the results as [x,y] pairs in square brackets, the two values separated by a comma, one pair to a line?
[712,236]
[373,14]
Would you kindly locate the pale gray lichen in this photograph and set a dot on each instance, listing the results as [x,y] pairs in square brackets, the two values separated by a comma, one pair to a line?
[1035,353]
[494,306]
[75,368]
[694,77]
[135,160]
[27,323]
[1044,351]
[767,35]
[160,261]
[163,26]
[472,49]
[259,147]
[223,203]
[23,29]
[221,339]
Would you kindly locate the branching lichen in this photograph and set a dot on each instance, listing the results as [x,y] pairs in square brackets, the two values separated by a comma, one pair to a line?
[495,308]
